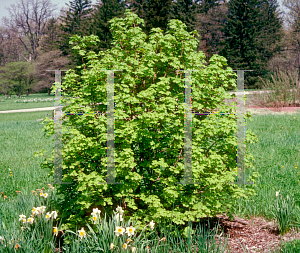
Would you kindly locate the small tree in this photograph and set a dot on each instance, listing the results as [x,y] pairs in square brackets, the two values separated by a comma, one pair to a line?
[149,129]
[18,76]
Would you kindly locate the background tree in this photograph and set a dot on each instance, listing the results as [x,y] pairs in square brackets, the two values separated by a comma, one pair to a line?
[156,13]
[210,24]
[11,48]
[293,35]
[29,19]
[206,5]
[74,21]
[51,38]
[49,60]
[186,11]
[247,25]
[18,77]
[104,11]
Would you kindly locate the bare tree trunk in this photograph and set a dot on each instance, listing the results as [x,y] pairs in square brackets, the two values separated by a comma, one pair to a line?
[299,71]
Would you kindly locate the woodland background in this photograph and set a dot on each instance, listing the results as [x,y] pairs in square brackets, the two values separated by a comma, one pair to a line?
[249,33]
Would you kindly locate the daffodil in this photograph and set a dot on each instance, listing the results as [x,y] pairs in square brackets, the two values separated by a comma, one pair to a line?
[42,209]
[48,216]
[152,224]
[119,210]
[118,216]
[130,230]
[82,233]
[119,230]
[125,246]
[96,211]
[95,219]
[22,217]
[133,249]
[17,246]
[41,193]
[277,193]
[54,214]
[34,211]
[111,246]
[45,195]
[30,220]
[55,231]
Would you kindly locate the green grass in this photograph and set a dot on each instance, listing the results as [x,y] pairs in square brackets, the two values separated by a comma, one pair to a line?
[15,103]
[277,155]
[38,100]
[289,247]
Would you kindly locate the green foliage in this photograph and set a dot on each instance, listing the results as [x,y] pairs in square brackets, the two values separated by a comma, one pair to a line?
[16,77]
[149,130]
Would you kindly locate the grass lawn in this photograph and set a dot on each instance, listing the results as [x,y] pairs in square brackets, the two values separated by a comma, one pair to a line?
[38,100]
[277,157]
[32,101]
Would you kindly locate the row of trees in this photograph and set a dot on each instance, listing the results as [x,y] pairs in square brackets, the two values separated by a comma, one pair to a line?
[249,33]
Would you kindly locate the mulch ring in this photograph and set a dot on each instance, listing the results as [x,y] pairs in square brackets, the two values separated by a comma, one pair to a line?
[254,235]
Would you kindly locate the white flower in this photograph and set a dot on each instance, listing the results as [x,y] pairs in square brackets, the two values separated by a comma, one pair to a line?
[133,249]
[152,224]
[119,230]
[130,230]
[54,214]
[45,195]
[48,216]
[277,193]
[34,211]
[119,210]
[22,217]
[82,233]
[111,246]
[96,211]
[42,209]
[125,246]
[118,216]
[30,220]
[55,231]
[95,219]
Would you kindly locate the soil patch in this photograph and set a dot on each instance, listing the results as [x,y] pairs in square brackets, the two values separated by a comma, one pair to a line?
[254,235]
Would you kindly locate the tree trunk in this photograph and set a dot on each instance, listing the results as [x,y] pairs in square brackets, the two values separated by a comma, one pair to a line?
[27,93]
[49,92]
[298,71]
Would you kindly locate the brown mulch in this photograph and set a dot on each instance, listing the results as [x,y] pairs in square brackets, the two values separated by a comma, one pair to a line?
[254,235]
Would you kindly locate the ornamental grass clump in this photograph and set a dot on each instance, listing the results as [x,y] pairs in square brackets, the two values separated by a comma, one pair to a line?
[149,128]
[284,90]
